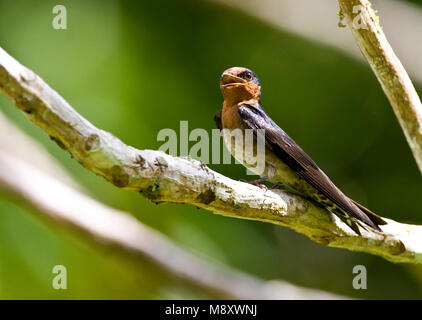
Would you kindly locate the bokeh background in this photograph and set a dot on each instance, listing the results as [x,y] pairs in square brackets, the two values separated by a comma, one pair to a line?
[135,67]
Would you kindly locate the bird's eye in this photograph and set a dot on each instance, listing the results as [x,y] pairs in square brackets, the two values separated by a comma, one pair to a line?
[248,75]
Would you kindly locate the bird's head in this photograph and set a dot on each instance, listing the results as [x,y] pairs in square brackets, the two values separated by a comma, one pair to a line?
[240,84]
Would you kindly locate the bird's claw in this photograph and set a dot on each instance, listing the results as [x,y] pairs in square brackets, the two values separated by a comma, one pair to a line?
[278,187]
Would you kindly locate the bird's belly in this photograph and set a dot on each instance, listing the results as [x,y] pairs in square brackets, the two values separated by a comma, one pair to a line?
[244,152]
[265,164]
[285,175]
[282,174]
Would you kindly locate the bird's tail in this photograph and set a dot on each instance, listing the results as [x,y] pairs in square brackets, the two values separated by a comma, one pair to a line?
[354,223]
[377,220]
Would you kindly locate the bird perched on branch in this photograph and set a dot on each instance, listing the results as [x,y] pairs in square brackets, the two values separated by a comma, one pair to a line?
[285,161]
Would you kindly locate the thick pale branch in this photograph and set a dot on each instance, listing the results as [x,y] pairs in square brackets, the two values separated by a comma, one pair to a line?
[163,178]
[394,79]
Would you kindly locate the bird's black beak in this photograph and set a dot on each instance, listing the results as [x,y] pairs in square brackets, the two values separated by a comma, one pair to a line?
[228,79]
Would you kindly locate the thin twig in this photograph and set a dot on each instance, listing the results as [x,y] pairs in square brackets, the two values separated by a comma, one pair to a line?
[394,79]
[163,178]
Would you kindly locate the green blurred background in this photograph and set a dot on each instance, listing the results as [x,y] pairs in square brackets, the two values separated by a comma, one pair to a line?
[134,68]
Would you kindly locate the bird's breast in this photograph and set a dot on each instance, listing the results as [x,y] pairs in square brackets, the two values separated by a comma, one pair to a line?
[230,118]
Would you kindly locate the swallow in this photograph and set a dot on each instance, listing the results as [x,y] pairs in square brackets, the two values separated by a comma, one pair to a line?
[285,162]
